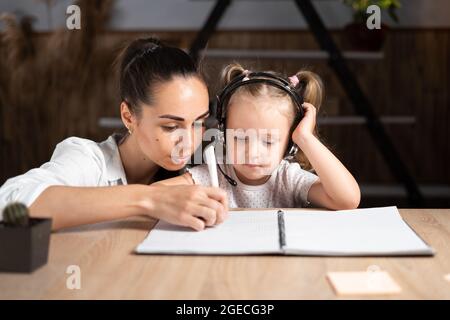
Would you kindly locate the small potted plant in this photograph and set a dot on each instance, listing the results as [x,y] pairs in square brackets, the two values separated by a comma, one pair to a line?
[358,36]
[24,241]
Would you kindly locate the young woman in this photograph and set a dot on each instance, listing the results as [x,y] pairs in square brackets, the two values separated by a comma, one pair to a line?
[88,182]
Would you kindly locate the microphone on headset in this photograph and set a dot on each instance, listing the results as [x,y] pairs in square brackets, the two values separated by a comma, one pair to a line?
[227,177]
[212,122]
[211,161]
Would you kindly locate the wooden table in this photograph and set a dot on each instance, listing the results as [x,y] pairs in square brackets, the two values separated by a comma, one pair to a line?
[110,269]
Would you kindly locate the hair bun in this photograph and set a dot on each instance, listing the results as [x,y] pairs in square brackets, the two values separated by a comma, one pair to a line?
[146,62]
[231,71]
[153,41]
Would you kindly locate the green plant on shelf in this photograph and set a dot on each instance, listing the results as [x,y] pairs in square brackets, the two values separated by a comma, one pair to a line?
[360,8]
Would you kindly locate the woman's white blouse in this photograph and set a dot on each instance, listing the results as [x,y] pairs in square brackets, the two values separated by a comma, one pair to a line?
[75,162]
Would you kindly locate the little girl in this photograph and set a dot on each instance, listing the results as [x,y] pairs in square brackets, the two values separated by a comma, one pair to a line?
[264,177]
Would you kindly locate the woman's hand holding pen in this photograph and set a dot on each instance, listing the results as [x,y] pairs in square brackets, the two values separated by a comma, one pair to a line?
[191,206]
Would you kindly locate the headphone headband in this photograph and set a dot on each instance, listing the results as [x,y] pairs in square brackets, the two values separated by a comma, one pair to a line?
[256,77]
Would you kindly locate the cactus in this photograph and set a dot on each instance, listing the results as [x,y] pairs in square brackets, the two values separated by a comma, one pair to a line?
[16,215]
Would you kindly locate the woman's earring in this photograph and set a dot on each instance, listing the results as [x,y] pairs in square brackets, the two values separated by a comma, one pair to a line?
[129,131]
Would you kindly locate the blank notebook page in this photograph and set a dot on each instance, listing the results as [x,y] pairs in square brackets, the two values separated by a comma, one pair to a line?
[249,232]
[374,231]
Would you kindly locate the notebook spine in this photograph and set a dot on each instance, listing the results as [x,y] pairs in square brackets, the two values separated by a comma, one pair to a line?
[281,229]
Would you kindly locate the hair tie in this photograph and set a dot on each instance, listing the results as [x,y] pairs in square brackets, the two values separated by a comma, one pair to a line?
[294,80]
[150,50]
[245,73]
[141,55]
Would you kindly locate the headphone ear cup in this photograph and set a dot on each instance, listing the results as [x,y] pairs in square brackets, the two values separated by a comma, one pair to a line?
[291,150]
[212,120]
[222,134]
[220,117]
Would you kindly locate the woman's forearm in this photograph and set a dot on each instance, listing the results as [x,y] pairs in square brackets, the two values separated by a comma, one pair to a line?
[336,180]
[184,179]
[73,206]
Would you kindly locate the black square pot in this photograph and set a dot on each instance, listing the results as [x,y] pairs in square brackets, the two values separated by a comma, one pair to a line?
[24,249]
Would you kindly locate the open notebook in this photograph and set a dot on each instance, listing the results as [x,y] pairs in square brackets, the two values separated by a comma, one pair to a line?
[360,232]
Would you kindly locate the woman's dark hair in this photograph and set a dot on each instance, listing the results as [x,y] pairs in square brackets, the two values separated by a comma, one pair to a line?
[146,63]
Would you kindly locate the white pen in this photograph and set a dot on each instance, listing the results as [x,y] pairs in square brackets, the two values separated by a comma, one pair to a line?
[210,158]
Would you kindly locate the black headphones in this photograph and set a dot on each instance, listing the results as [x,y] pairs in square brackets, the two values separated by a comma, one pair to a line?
[219,107]
[272,80]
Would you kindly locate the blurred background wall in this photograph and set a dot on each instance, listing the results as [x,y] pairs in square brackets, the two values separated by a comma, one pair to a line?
[248,14]
[56,83]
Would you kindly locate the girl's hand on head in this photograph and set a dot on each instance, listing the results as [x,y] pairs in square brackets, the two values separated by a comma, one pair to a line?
[306,126]
[196,207]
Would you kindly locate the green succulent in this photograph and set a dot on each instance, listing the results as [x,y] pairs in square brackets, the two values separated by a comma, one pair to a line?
[16,214]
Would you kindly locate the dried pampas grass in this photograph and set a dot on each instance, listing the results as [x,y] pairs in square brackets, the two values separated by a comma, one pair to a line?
[52,86]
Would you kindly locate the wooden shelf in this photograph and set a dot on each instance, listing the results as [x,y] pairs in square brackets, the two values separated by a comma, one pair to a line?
[394,190]
[348,120]
[289,54]
[110,122]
